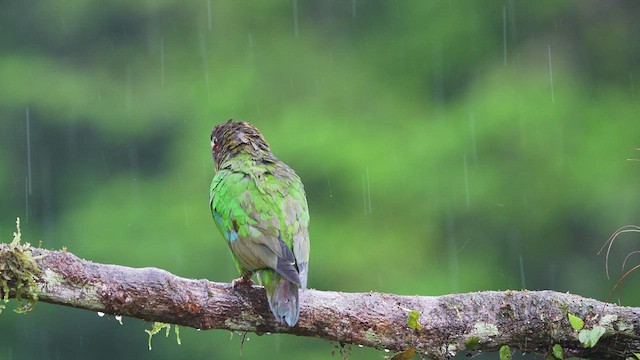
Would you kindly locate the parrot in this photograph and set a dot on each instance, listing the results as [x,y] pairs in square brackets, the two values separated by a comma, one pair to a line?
[258,204]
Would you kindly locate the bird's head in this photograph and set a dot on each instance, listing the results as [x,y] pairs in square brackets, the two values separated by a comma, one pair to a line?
[236,137]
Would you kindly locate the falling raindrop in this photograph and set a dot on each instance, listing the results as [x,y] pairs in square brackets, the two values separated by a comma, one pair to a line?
[353,8]
[504,33]
[129,90]
[368,192]
[26,198]
[364,194]
[466,180]
[278,344]
[474,146]
[551,76]
[523,284]
[162,60]
[295,17]
[28,150]
[119,319]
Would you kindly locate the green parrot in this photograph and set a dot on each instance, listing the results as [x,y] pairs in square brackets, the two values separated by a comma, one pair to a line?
[258,204]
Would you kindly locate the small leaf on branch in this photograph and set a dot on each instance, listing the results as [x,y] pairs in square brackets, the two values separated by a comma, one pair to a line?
[558,352]
[505,352]
[576,322]
[584,337]
[412,321]
[595,335]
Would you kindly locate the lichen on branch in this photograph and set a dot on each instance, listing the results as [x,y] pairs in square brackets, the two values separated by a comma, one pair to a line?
[19,274]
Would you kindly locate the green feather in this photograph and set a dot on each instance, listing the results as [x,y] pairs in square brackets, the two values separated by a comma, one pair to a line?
[258,204]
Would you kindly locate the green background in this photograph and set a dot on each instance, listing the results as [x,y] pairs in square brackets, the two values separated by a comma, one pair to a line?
[445,146]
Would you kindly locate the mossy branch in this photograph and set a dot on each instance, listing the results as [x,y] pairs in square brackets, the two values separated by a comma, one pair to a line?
[435,326]
[18,273]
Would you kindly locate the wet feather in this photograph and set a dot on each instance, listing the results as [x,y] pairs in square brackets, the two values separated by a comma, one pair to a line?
[259,205]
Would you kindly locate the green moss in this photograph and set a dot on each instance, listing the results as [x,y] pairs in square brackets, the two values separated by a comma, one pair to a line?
[472,343]
[372,337]
[613,323]
[158,326]
[564,307]
[485,330]
[18,274]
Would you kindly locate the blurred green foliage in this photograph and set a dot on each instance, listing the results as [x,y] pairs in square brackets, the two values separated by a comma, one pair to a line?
[445,146]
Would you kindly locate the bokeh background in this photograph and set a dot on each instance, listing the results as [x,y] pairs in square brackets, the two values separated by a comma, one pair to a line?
[445,146]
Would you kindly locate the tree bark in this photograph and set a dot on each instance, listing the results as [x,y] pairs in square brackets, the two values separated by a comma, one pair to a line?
[530,321]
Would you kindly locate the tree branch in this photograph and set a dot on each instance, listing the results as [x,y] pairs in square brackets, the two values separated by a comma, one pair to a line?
[531,321]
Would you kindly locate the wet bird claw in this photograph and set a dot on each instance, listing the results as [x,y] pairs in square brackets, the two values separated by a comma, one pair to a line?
[241,281]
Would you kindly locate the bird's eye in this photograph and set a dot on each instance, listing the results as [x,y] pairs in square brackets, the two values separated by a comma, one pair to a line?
[214,144]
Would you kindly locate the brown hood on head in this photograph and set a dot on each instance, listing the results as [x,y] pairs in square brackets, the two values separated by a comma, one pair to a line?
[236,137]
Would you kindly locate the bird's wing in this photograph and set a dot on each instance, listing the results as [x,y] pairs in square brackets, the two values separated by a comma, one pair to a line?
[249,219]
[295,216]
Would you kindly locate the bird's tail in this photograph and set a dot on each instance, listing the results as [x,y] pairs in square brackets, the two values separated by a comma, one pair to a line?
[282,295]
